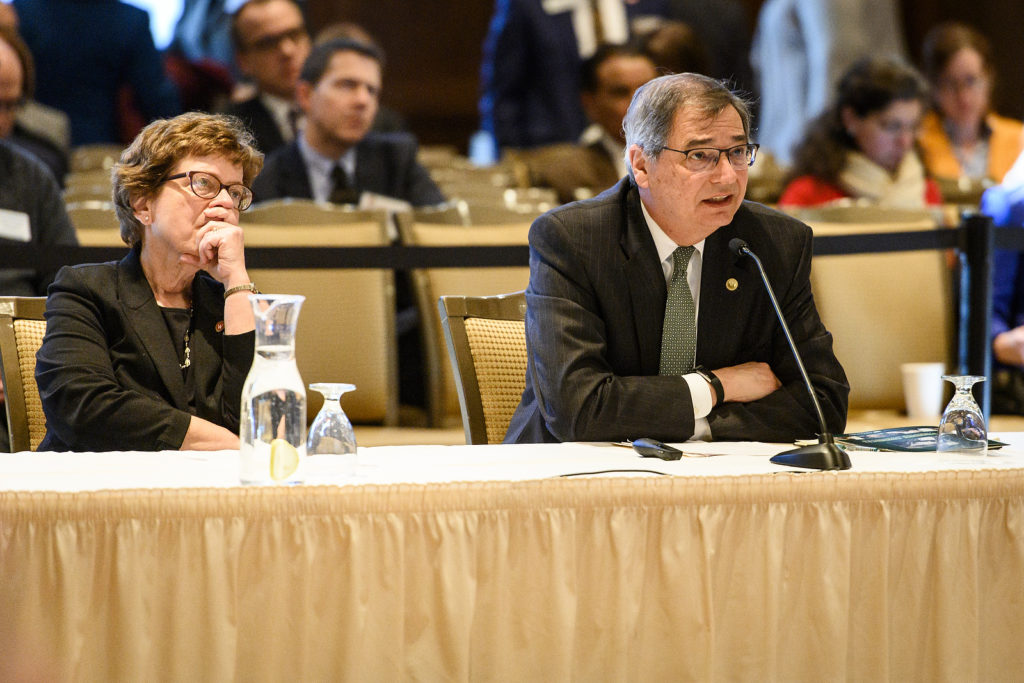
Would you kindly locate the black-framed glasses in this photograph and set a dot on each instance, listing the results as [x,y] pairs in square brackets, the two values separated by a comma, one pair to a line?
[701,159]
[207,186]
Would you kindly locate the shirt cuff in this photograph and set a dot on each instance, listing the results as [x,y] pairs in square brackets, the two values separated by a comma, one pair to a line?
[700,395]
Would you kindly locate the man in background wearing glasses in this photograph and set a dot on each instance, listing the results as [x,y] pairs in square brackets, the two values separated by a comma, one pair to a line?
[271,43]
[640,321]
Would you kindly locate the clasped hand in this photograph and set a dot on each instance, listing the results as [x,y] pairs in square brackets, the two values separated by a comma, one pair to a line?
[748,381]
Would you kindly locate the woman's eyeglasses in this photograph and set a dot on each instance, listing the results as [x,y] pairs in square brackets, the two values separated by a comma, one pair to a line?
[207,186]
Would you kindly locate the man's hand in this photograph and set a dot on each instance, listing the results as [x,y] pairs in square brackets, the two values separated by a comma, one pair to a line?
[1008,347]
[747,382]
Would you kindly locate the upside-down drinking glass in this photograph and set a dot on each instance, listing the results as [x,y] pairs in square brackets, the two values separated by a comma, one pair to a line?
[962,430]
[331,433]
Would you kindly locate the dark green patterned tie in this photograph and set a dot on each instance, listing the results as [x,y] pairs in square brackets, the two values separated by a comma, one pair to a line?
[679,332]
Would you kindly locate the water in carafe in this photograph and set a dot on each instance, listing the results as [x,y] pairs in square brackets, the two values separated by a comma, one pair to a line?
[273,411]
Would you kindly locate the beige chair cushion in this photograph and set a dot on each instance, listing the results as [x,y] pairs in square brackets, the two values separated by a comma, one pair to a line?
[346,325]
[433,283]
[883,310]
[499,356]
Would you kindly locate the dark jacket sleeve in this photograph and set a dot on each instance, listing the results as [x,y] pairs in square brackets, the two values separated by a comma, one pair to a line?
[84,371]
[585,391]
[788,413]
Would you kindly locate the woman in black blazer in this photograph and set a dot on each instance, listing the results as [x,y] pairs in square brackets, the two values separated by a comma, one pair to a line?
[150,353]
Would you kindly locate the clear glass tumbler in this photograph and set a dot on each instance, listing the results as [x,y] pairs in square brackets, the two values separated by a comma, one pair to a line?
[962,431]
[331,446]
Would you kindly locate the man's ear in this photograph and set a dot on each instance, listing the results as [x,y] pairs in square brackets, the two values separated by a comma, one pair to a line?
[587,100]
[303,94]
[639,162]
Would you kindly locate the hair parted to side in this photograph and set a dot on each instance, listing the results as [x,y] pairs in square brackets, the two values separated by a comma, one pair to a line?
[652,112]
[315,66]
[867,87]
[942,43]
[149,159]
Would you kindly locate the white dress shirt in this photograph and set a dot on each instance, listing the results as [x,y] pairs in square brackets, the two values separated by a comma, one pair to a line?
[700,390]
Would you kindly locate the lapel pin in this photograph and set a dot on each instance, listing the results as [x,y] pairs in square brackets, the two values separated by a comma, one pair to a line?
[731,284]
[219,326]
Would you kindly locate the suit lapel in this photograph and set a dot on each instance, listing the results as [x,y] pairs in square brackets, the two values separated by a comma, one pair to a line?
[143,317]
[295,179]
[645,281]
[729,287]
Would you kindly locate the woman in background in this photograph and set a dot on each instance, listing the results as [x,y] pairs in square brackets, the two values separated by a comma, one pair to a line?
[962,137]
[150,353]
[862,147]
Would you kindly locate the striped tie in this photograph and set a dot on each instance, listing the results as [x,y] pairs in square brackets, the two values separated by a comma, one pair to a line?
[679,332]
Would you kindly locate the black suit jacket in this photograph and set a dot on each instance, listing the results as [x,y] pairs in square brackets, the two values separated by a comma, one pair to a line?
[259,121]
[385,164]
[108,371]
[595,308]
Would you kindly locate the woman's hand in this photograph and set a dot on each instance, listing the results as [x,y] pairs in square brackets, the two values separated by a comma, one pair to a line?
[221,253]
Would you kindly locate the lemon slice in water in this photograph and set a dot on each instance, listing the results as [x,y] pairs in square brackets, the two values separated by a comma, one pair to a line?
[284,459]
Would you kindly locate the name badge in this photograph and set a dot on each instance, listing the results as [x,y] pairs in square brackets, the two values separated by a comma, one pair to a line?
[14,225]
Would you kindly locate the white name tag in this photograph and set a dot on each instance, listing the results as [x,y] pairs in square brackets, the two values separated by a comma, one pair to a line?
[14,226]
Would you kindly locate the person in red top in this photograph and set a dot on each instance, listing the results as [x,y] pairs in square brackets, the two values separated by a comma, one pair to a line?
[863,146]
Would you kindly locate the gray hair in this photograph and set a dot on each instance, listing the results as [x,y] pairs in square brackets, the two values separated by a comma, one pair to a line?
[652,112]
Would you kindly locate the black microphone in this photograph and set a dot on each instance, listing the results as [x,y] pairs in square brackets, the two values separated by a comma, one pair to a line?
[825,455]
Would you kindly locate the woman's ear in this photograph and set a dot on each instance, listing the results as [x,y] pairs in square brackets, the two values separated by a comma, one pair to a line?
[140,207]
[850,120]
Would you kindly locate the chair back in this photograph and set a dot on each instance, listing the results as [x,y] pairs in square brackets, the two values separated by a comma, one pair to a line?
[95,157]
[486,339]
[884,309]
[295,212]
[21,334]
[96,223]
[431,283]
[346,330]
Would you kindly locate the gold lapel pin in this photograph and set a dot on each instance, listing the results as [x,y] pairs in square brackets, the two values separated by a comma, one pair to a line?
[731,284]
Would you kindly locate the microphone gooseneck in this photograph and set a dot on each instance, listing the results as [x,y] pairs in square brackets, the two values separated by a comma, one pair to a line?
[824,455]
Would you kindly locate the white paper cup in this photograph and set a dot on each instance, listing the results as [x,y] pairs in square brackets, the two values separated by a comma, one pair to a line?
[923,389]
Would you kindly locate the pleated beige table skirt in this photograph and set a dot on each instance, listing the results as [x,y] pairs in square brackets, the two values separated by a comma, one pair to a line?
[809,577]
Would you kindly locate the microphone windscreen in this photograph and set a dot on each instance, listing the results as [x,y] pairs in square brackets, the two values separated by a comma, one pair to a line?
[736,246]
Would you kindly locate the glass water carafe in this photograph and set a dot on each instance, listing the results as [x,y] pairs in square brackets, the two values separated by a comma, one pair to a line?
[962,431]
[273,414]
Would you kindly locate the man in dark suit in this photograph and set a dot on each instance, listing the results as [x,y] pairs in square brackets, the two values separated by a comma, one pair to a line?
[531,62]
[271,44]
[640,322]
[336,158]
[596,161]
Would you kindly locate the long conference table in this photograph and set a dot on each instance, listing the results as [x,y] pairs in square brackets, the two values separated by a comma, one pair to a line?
[480,563]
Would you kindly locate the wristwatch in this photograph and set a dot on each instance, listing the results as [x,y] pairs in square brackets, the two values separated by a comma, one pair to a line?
[248,287]
[712,379]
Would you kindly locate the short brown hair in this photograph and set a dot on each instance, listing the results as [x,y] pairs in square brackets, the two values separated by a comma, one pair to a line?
[148,160]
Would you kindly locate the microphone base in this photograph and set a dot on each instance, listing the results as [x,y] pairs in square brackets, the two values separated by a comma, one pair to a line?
[820,456]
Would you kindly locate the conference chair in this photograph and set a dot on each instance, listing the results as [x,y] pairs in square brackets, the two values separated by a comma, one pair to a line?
[93,157]
[21,334]
[346,329]
[486,339]
[95,222]
[431,283]
[292,211]
[883,309]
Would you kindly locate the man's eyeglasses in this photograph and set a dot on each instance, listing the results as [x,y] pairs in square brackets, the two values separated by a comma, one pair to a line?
[272,42]
[701,159]
[207,186]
